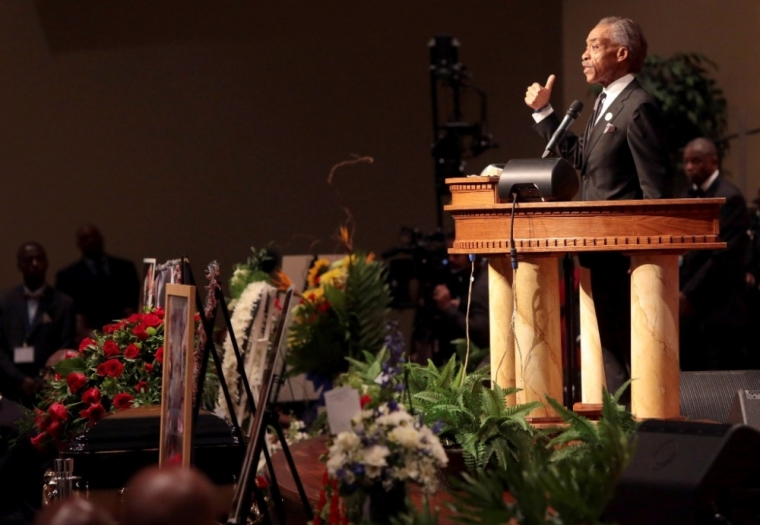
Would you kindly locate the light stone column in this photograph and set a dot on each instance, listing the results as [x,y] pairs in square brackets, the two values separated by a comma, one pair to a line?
[655,390]
[538,346]
[592,362]
[500,307]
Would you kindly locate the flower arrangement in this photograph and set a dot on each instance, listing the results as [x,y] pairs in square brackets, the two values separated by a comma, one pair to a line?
[342,313]
[386,445]
[386,448]
[116,369]
[255,309]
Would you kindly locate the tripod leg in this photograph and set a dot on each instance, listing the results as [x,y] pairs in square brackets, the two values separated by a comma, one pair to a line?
[275,422]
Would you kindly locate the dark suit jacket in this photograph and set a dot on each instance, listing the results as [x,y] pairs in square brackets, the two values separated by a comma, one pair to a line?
[628,161]
[52,329]
[101,299]
[713,281]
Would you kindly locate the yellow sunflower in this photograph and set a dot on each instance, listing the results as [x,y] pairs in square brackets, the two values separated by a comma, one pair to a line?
[318,268]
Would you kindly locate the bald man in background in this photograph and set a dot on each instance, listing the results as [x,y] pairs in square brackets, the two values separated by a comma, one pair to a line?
[713,290]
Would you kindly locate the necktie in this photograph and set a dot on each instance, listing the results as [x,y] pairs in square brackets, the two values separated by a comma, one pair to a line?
[598,103]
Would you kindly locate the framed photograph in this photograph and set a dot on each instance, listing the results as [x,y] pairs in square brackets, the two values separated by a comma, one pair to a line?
[148,292]
[177,391]
[169,272]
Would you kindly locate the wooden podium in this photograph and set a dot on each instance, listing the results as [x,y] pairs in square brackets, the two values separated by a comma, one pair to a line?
[526,349]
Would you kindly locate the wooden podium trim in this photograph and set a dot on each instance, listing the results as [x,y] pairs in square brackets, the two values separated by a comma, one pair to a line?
[665,225]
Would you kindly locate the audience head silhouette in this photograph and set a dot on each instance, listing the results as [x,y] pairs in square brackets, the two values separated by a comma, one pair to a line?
[169,496]
[74,511]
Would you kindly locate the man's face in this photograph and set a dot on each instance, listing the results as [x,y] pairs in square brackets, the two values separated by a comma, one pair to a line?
[698,165]
[33,264]
[603,61]
[90,242]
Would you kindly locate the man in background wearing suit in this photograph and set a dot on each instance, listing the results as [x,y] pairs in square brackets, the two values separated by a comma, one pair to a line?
[713,290]
[35,321]
[104,288]
[622,155]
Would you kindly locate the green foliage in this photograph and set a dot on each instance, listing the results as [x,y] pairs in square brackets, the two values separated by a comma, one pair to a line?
[366,305]
[346,318]
[691,102]
[250,271]
[565,480]
[477,354]
[413,516]
[472,416]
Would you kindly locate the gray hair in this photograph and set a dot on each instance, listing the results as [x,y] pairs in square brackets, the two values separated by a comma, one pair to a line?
[628,34]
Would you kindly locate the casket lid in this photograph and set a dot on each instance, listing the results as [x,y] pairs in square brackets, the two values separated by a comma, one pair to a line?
[140,428]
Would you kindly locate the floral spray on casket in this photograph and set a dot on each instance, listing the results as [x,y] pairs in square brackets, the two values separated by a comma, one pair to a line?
[114,370]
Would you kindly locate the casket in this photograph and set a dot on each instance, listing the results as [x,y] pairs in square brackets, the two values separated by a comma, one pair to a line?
[117,446]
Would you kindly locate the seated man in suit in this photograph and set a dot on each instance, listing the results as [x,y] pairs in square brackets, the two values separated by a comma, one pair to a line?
[104,288]
[35,321]
[713,290]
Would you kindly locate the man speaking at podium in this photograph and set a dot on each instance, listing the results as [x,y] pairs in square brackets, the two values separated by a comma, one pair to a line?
[622,155]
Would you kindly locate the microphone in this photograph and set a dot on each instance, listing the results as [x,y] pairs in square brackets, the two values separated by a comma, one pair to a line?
[572,113]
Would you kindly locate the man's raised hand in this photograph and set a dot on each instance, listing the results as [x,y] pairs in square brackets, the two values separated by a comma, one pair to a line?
[537,96]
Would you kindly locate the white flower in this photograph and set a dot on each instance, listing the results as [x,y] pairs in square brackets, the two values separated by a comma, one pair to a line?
[347,441]
[375,456]
[397,418]
[406,436]
[335,461]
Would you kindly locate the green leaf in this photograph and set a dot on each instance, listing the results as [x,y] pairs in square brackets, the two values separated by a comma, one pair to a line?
[72,364]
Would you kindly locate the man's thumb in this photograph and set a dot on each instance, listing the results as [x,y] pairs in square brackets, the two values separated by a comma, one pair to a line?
[550,82]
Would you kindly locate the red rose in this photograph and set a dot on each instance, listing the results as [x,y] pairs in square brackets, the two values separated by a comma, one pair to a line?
[113,367]
[111,348]
[70,354]
[141,386]
[149,368]
[58,412]
[122,400]
[140,332]
[159,312]
[364,400]
[134,318]
[86,342]
[91,396]
[76,380]
[54,429]
[197,317]
[38,440]
[151,320]
[160,355]
[261,482]
[111,328]
[131,351]
[101,369]
[93,412]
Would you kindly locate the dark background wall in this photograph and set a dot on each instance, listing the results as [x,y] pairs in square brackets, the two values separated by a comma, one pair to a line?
[206,127]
